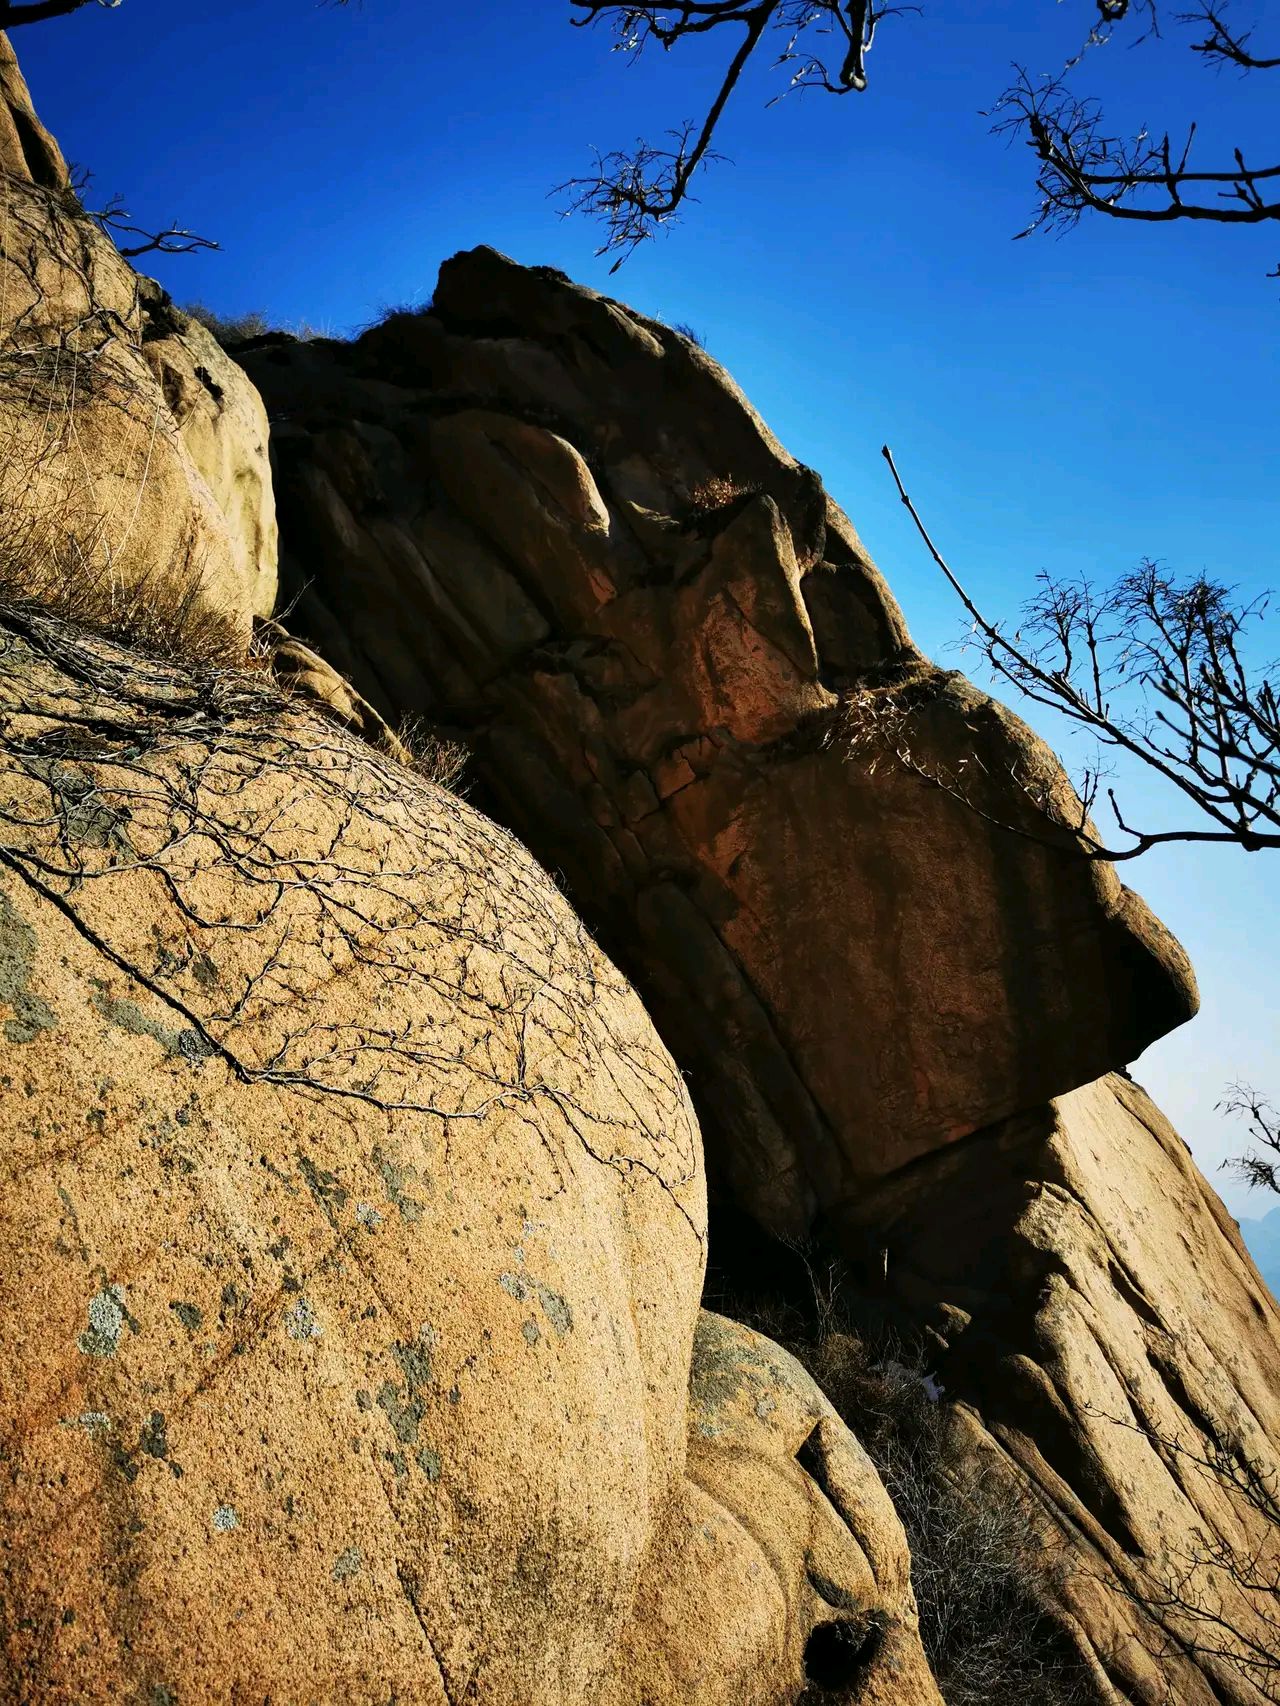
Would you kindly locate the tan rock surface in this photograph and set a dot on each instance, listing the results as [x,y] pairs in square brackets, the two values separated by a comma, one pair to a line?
[352,1221]
[532,514]
[351,1243]
[135,450]
[1106,1339]
[301,672]
[786,1565]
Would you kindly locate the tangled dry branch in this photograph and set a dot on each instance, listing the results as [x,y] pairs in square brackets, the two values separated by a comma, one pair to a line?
[1217,1600]
[1082,166]
[635,192]
[283,860]
[1262,1121]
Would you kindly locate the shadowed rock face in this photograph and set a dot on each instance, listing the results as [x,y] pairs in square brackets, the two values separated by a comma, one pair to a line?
[538,517]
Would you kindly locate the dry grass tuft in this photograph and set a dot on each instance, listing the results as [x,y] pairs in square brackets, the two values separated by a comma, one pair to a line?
[433,756]
[55,555]
[164,614]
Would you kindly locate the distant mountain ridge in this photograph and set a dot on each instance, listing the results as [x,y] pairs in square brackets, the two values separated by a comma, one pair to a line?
[1263,1239]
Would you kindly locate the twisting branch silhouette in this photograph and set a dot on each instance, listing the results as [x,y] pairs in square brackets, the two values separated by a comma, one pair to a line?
[1154,668]
[635,192]
[1262,1121]
[1216,1597]
[285,861]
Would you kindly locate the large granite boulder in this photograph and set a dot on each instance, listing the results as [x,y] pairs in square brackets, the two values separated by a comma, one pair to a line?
[559,527]
[351,1244]
[1109,1346]
[135,449]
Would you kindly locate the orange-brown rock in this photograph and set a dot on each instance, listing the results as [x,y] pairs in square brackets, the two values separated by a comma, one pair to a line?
[135,451]
[351,1243]
[1106,1342]
[535,515]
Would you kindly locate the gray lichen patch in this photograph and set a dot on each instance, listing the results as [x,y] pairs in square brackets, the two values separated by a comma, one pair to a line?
[107,1317]
[556,1310]
[554,1307]
[530,1331]
[225,1519]
[404,1403]
[731,1364]
[18,946]
[325,1188]
[190,1316]
[395,1179]
[347,1564]
[128,1016]
[300,1321]
[92,1421]
[87,818]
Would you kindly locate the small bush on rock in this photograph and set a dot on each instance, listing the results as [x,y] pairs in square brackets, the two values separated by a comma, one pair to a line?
[229,329]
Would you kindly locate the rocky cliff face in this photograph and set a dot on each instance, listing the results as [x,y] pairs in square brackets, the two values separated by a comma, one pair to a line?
[845,881]
[354,1212]
[1102,1336]
[562,529]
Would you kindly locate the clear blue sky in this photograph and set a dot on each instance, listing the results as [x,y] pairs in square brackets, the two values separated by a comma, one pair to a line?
[1054,403]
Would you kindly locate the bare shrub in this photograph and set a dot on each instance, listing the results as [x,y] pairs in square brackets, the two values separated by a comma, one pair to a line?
[716,494]
[431,755]
[55,554]
[165,613]
[229,329]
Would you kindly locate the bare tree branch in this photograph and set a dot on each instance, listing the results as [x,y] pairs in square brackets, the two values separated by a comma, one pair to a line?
[1263,1124]
[1154,668]
[118,223]
[1218,1598]
[12,15]
[1084,169]
[635,192]
[1224,45]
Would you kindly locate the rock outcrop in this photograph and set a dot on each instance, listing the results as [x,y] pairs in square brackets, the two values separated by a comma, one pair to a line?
[135,449]
[351,1244]
[534,515]
[758,1560]
[353,1218]
[1107,1343]
[847,884]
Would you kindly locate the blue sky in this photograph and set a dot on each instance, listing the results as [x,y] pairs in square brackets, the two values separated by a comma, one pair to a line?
[1061,404]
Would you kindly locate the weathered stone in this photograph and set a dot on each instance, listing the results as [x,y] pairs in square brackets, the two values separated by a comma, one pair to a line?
[351,1240]
[224,430]
[135,451]
[786,1565]
[1105,1339]
[717,698]
[304,673]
